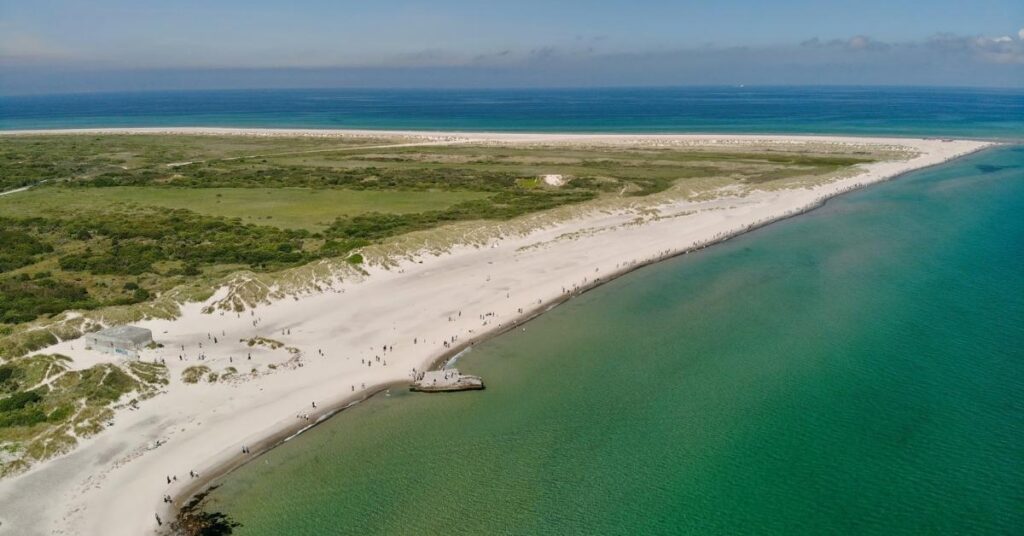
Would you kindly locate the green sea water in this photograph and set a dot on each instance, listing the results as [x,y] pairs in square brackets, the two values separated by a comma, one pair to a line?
[856,370]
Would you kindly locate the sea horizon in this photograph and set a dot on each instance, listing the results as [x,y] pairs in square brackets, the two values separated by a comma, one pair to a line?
[988,113]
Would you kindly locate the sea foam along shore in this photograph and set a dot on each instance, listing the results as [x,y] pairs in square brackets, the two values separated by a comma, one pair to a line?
[114,482]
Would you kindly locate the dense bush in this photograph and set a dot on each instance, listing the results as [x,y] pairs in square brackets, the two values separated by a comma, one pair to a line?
[22,417]
[19,400]
[130,244]
[22,300]
[126,259]
[21,409]
[18,248]
[6,375]
[134,242]
[362,178]
[376,226]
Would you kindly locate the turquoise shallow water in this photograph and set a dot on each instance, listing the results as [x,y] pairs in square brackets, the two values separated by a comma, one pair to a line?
[857,370]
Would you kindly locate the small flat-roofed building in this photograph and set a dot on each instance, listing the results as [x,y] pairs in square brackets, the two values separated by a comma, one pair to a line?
[120,340]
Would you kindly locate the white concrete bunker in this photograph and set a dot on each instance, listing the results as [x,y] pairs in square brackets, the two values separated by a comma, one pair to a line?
[438,381]
[120,340]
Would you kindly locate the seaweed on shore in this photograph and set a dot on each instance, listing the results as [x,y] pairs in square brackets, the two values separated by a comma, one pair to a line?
[193,520]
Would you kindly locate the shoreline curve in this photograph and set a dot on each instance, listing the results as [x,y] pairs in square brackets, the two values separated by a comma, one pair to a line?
[207,483]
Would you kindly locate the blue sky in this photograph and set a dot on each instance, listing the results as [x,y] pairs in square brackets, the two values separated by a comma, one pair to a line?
[54,45]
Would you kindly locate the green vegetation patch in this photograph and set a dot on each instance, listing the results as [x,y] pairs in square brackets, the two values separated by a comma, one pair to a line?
[195,373]
[19,249]
[23,298]
[121,219]
[28,160]
[120,257]
[263,341]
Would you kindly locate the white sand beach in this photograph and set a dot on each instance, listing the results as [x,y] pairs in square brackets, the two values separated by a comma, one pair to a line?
[421,309]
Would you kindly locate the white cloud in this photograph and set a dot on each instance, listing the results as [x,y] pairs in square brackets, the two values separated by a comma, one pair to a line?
[858,42]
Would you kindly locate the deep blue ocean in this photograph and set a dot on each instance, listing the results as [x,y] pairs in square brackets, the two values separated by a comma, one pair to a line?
[988,113]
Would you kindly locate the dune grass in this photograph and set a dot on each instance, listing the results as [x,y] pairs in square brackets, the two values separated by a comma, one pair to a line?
[46,406]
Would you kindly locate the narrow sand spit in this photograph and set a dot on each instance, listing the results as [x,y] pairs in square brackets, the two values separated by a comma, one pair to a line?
[114,483]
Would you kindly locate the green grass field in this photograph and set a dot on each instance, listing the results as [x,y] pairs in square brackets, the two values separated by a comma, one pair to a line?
[286,208]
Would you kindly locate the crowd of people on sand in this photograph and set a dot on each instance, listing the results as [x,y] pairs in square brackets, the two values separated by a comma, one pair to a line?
[305,416]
